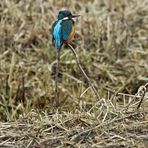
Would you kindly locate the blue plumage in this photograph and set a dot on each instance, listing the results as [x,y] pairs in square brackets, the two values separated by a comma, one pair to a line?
[62,28]
[57,34]
[66,28]
[61,31]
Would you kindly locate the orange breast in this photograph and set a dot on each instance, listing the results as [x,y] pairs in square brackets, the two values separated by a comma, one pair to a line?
[72,34]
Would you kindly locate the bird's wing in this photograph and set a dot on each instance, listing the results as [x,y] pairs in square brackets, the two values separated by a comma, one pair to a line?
[53,30]
[66,29]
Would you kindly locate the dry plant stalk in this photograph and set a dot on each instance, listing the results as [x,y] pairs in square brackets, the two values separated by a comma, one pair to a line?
[11,73]
[56,101]
[83,72]
[140,94]
[141,91]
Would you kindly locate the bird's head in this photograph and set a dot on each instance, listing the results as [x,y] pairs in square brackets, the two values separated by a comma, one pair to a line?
[66,14]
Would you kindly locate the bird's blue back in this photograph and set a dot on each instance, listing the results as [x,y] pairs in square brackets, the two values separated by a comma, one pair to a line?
[61,31]
[57,34]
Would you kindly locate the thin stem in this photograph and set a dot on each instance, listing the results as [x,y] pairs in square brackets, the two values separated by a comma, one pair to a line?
[83,72]
[56,101]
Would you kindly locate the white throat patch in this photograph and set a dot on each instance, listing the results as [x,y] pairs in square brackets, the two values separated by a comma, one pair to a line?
[65,18]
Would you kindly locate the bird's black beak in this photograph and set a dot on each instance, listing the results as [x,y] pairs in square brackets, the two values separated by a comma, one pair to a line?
[75,15]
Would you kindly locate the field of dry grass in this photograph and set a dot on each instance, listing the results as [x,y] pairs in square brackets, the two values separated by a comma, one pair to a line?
[112,43]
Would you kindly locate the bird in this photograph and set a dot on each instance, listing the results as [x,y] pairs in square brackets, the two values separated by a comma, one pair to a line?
[63,32]
[63,29]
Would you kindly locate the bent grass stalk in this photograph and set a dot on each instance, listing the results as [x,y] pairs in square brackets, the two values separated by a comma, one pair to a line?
[56,101]
[83,72]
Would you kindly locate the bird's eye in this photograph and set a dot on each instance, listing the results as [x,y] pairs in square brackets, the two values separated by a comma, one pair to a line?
[69,15]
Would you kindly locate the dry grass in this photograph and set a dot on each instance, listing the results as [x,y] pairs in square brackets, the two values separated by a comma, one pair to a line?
[112,43]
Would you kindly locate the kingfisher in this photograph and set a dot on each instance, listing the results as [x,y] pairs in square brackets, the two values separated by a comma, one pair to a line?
[63,30]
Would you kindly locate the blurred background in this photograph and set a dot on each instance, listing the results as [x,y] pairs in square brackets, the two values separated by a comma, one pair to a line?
[111,41]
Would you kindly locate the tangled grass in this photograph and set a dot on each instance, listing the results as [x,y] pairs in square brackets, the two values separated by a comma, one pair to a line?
[112,44]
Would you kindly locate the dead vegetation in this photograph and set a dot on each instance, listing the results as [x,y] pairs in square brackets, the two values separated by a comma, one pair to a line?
[112,43]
